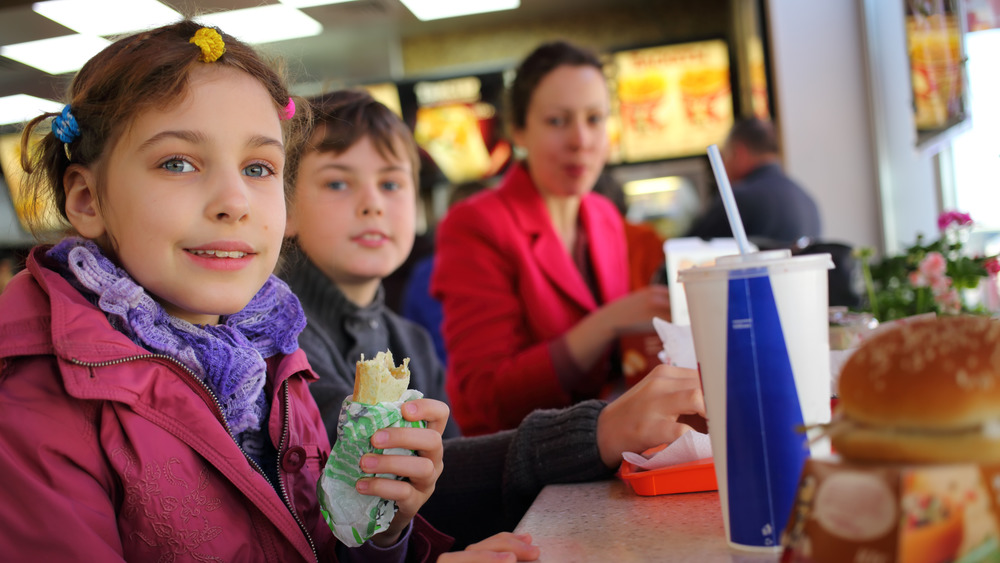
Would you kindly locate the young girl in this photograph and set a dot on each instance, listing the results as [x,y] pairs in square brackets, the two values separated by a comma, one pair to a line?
[153,400]
[351,217]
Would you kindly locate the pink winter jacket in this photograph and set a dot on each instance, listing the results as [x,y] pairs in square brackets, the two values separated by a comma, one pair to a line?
[111,453]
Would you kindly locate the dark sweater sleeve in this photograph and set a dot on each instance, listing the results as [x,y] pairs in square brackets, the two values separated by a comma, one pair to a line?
[489,481]
[552,446]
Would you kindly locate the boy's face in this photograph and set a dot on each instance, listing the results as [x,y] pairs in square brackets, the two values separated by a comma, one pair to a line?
[354,214]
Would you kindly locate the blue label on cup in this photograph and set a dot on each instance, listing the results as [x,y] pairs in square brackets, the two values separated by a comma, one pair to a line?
[765,448]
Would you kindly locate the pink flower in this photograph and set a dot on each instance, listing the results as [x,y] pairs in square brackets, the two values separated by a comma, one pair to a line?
[933,265]
[992,266]
[949,218]
[949,301]
[940,285]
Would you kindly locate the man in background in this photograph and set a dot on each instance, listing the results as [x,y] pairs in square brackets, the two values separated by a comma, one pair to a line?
[776,211]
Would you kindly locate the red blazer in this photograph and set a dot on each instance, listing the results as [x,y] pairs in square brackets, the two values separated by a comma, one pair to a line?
[508,288]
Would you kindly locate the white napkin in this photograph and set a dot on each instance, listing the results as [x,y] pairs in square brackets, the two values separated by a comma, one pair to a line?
[692,446]
[678,344]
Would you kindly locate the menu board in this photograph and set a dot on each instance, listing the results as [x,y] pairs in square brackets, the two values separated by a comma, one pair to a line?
[387,94]
[42,213]
[934,40]
[457,125]
[673,100]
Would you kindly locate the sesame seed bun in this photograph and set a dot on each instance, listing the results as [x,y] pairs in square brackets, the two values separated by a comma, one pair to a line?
[927,391]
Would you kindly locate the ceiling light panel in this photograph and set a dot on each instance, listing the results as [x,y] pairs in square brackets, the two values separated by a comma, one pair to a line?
[426,10]
[311,3]
[264,24]
[107,17]
[22,107]
[56,55]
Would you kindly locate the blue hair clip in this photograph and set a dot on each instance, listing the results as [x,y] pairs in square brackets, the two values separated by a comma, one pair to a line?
[65,127]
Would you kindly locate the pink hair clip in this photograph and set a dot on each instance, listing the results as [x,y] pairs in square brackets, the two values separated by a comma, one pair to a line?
[289,111]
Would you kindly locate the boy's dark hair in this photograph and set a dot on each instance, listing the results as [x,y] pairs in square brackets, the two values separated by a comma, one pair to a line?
[343,118]
[536,66]
[755,134]
[146,70]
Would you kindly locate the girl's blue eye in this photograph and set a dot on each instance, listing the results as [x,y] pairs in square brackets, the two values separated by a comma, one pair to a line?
[258,170]
[337,185]
[178,165]
[390,186]
[556,121]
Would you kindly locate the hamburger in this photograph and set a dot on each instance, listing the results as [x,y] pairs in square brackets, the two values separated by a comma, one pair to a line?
[927,391]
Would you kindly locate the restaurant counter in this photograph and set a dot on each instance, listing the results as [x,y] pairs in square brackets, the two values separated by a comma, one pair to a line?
[605,522]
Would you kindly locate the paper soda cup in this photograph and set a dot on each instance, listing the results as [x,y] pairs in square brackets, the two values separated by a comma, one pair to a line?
[761,337]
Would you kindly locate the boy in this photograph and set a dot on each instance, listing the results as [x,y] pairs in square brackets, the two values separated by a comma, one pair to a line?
[351,219]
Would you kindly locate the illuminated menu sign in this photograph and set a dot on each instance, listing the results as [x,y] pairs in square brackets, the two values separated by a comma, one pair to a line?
[673,101]
[28,209]
[448,127]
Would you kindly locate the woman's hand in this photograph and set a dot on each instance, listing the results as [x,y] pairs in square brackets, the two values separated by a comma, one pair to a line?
[420,472]
[505,546]
[589,338]
[647,414]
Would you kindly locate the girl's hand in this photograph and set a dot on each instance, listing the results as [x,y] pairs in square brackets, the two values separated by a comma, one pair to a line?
[420,472]
[647,414]
[505,546]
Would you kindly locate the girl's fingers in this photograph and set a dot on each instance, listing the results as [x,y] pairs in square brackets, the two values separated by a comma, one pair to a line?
[415,468]
[434,412]
[389,489]
[423,440]
[518,544]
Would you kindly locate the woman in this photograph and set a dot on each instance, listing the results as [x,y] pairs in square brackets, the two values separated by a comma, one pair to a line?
[533,276]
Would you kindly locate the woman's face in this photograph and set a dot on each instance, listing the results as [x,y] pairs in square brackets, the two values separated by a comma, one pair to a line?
[564,132]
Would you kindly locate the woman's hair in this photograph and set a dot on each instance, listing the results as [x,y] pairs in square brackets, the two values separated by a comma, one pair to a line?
[342,118]
[147,70]
[536,66]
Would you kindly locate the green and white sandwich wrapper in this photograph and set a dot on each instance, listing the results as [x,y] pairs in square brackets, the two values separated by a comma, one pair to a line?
[354,517]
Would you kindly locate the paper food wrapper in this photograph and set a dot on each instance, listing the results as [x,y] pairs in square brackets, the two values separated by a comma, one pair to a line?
[692,446]
[354,517]
[678,344]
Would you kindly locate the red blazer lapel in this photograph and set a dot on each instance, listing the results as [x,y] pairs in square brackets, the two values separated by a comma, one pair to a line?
[532,218]
[606,234]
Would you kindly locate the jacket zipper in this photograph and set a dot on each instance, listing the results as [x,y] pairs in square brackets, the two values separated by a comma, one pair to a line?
[222,418]
[281,482]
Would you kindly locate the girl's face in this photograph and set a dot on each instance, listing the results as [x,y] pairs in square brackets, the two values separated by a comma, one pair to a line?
[193,203]
[564,132]
[354,214]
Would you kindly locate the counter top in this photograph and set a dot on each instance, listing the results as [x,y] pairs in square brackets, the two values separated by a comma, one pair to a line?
[605,522]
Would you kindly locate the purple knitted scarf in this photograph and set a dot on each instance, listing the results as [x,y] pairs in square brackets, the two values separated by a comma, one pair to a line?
[228,357]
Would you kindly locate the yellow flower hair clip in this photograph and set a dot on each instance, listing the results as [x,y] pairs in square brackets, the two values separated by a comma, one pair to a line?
[211,44]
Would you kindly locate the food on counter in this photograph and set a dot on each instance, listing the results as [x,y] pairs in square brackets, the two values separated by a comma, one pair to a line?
[919,420]
[928,391]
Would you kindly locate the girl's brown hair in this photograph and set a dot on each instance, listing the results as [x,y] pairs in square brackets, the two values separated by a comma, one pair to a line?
[148,70]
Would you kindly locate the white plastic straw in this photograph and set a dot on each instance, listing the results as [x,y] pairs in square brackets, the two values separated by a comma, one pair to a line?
[728,201]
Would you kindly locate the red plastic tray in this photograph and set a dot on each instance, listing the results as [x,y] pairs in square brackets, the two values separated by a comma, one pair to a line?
[692,477]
